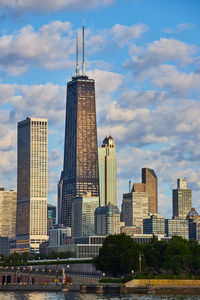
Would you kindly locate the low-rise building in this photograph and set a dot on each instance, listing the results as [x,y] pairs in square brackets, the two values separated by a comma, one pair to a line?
[85,247]
[130,230]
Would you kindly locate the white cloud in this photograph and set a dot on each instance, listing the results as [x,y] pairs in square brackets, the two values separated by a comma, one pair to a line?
[176,82]
[105,81]
[20,6]
[157,53]
[179,28]
[52,46]
[49,47]
[118,35]
[37,100]
[142,98]
[122,34]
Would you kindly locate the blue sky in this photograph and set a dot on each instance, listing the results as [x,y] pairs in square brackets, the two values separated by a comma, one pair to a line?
[144,56]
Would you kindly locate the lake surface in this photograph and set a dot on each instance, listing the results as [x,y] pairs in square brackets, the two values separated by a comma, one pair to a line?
[77,296]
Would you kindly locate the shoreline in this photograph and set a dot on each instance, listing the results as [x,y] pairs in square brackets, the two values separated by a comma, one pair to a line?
[131,287]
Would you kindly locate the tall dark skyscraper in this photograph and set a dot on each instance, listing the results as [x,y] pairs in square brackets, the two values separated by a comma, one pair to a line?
[80,170]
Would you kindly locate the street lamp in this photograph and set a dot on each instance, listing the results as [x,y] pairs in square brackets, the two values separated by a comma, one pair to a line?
[140,262]
[67,268]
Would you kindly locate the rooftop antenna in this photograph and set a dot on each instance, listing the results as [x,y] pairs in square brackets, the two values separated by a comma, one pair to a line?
[83,62]
[77,66]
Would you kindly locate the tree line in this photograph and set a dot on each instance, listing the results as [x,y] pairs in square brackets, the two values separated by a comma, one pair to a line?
[121,255]
[25,257]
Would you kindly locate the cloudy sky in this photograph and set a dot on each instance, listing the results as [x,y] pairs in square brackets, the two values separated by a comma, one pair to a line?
[145,58]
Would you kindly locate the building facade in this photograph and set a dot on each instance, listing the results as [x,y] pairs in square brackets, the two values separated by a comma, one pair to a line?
[59,198]
[51,215]
[177,227]
[31,228]
[130,230]
[134,208]
[194,224]
[107,220]
[80,172]
[154,225]
[181,199]
[107,172]
[150,180]
[8,206]
[83,209]
[4,246]
[59,236]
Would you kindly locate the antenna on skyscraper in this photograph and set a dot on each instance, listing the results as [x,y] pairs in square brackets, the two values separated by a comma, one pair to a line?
[83,58]
[77,66]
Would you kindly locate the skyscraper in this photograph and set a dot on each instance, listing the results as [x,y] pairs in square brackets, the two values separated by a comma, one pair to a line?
[80,170]
[107,220]
[83,209]
[8,205]
[107,172]
[31,228]
[59,195]
[181,199]
[51,215]
[135,206]
[151,185]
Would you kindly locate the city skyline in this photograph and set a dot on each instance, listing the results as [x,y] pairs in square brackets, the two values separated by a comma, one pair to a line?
[146,68]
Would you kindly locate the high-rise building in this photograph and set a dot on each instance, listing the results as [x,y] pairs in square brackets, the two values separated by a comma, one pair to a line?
[4,245]
[107,220]
[32,168]
[59,197]
[194,224]
[107,172]
[181,199]
[151,182]
[8,205]
[177,227]
[155,224]
[59,236]
[83,209]
[135,207]
[80,170]
[51,215]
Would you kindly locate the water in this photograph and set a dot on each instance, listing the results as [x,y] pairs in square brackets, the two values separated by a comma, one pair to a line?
[77,296]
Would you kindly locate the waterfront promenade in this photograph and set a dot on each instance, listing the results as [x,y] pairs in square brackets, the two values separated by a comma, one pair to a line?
[82,278]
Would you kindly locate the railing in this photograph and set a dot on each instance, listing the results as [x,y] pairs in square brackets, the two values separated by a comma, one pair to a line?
[29,270]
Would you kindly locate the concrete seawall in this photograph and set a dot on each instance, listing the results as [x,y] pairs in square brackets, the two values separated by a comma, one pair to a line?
[163,282]
[143,286]
[162,286]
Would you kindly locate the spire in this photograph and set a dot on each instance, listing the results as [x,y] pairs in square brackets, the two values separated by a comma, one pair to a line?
[77,66]
[83,58]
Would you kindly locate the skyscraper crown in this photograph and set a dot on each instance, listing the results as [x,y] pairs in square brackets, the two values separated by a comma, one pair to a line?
[108,142]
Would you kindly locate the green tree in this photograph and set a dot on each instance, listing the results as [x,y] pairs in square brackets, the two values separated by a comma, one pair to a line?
[154,253]
[119,255]
[195,257]
[178,256]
